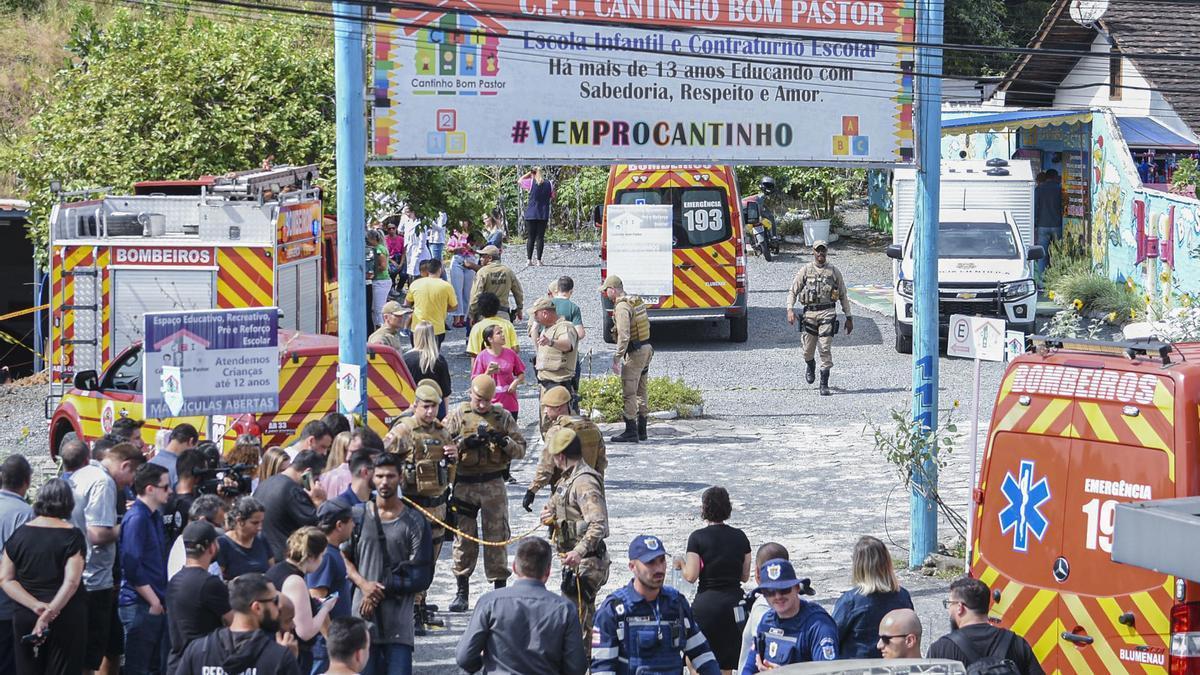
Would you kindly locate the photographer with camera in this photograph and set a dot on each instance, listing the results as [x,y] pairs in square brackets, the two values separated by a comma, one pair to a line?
[189,466]
[488,439]
[428,455]
[389,560]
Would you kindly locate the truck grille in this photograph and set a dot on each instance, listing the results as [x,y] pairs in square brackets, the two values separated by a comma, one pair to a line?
[968,307]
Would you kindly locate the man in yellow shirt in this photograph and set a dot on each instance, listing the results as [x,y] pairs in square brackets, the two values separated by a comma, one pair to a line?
[432,298]
[489,307]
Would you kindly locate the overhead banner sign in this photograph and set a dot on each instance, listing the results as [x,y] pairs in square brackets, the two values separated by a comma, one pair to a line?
[211,362]
[590,81]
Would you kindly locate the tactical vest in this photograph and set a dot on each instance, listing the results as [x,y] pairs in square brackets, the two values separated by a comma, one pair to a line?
[425,472]
[589,437]
[820,286]
[553,364]
[639,327]
[569,523]
[497,278]
[488,458]
[652,643]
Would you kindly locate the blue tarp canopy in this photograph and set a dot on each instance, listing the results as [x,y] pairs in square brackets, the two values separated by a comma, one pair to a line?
[1147,132]
[1014,119]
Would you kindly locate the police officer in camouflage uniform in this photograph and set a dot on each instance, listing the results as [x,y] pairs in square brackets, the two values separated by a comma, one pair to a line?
[556,415]
[488,439]
[557,347]
[631,324]
[428,454]
[578,515]
[494,276]
[819,287]
[393,321]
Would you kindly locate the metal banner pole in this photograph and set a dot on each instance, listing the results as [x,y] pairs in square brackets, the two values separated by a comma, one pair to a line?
[923,509]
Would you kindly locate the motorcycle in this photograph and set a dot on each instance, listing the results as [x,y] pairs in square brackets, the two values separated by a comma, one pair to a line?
[761,231]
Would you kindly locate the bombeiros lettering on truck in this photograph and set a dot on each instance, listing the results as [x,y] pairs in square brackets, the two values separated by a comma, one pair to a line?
[1083,383]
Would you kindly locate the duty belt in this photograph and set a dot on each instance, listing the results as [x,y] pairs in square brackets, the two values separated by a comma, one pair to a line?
[428,502]
[471,479]
[821,307]
[634,345]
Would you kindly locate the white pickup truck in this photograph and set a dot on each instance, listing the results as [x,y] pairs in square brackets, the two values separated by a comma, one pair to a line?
[985,268]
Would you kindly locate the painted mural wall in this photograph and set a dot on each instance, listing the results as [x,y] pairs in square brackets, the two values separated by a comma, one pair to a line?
[1148,239]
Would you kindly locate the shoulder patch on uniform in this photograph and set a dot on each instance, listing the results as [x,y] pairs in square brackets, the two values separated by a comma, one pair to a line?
[827,651]
[620,609]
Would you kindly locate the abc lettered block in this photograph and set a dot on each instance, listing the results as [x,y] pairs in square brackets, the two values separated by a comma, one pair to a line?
[860,145]
[841,145]
[850,125]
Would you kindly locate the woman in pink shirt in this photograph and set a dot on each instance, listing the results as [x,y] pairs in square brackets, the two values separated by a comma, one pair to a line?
[503,365]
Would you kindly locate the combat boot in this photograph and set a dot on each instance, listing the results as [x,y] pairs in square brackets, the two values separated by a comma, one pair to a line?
[825,383]
[641,427]
[810,371]
[429,616]
[462,599]
[629,436]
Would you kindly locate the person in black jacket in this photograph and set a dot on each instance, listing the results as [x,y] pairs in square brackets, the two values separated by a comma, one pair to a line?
[973,637]
[249,644]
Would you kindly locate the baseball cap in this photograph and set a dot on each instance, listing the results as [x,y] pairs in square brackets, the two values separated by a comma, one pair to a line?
[646,547]
[820,243]
[543,303]
[611,281]
[490,249]
[332,511]
[559,440]
[777,574]
[199,534]
[393,307]
[484,386]
[556,396]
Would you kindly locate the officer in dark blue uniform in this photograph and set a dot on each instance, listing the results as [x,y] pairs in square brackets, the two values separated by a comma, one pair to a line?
[646,628]
[792,631]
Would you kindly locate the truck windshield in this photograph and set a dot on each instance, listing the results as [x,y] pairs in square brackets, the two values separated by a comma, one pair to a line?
[699,215]
[976,240]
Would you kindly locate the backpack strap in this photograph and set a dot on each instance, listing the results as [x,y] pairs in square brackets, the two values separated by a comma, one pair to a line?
[964,645]
[1005,645]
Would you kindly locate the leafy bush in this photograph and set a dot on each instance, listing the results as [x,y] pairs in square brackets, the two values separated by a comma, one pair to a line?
[1089,292]
[791,224]
[666,393]
[1067,256]
[1187,173]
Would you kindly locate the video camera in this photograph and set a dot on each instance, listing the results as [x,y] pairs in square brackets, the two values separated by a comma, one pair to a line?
[485,436]
[225,480]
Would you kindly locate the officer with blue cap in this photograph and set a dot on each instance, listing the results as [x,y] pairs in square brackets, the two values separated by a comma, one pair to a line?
[792,630]
[646,627]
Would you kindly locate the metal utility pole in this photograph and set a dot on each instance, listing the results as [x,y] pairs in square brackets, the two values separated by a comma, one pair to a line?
[351,145]
[923,510]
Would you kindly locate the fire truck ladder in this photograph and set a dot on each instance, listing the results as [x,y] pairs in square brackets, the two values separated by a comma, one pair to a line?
[84,313]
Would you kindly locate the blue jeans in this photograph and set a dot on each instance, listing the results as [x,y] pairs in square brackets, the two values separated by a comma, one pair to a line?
[436,250]
[390,660]
[145,635]
[1042,236]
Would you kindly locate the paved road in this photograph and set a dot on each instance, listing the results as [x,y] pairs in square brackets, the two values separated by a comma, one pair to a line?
[801,469]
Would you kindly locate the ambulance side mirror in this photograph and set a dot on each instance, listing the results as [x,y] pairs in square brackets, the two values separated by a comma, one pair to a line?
[1035,253]
[87,380]
[895,252]
[750,214]
[597,215]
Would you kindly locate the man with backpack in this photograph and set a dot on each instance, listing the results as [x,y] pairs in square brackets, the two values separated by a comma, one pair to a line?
[983,648]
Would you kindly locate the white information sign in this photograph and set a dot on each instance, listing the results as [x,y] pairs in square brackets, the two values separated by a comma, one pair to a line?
[349,385]
[589,81]
[1014,344]
[976,337]
[211,362]
[640,248]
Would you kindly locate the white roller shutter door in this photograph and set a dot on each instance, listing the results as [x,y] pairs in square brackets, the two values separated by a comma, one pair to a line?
[136,292]
[285,297]
[309,295]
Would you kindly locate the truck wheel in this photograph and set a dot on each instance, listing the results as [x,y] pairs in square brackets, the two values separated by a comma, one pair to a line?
[739,328]
[608,329]
[903,342]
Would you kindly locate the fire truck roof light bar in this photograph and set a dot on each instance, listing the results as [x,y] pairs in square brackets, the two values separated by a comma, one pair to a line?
[1128,348]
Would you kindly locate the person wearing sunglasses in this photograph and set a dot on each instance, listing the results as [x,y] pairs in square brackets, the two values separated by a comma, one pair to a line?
[793,630]
[249,644]
[900,635]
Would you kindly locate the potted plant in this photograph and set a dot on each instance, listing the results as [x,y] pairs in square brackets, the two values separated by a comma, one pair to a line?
[820,190]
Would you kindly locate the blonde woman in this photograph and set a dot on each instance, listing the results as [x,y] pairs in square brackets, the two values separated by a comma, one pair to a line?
[425,362]
[876,592]
[337,479]
[274,461]
[305,550]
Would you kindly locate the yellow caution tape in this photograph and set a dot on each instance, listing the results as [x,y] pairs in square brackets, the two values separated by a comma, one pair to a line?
[22,312]
[5,337]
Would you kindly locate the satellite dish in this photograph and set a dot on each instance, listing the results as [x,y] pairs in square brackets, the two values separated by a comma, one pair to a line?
[1087,12]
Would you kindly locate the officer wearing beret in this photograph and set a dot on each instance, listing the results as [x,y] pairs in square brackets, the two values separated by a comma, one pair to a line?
[428,454]
[578,516]
[646,627]
[494,276]
[820,288]
[488,439]
[631,324]
[792,630]
[556,404]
